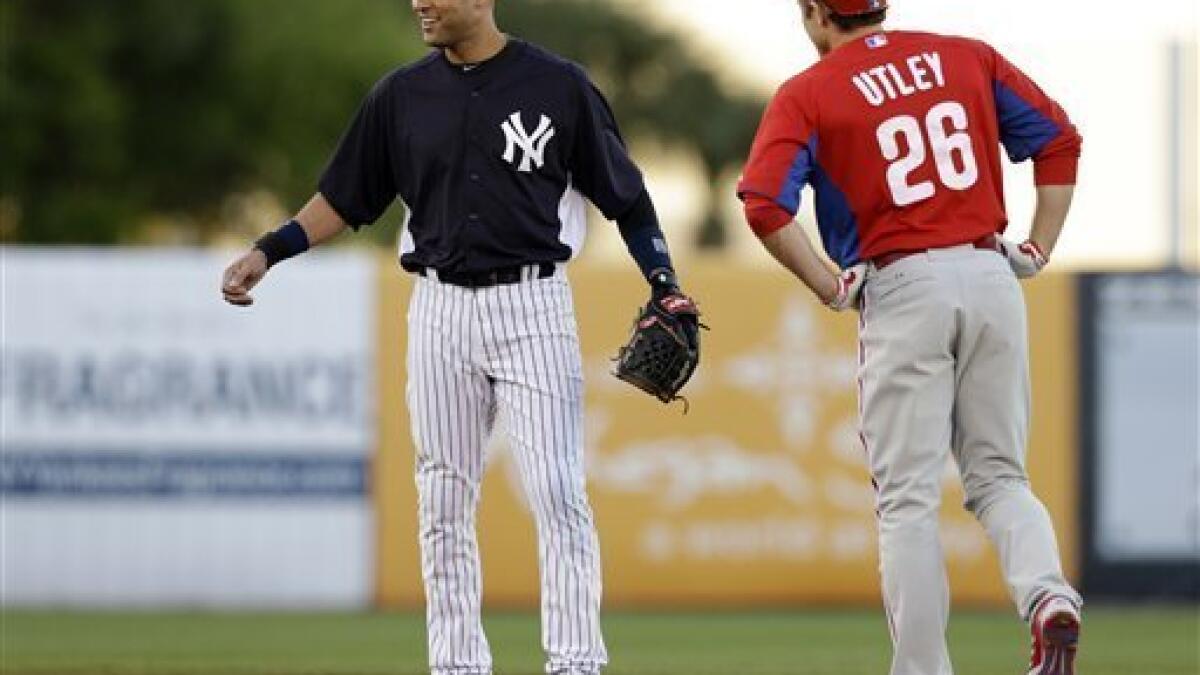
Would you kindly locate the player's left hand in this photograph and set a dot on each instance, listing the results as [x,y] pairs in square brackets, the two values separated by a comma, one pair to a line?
[664,349]
[241,276]
[1026,259]
[672,300]
[849,288]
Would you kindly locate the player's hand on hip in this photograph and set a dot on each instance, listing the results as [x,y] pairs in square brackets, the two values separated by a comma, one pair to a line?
[241,276]
[849,288]
[1026,259]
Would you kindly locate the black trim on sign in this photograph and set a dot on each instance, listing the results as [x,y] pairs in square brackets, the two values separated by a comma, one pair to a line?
[1146,579]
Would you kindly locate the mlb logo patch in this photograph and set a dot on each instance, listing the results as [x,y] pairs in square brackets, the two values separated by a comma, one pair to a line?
[876,41]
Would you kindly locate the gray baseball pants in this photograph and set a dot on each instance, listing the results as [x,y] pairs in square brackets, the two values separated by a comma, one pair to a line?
[944,369]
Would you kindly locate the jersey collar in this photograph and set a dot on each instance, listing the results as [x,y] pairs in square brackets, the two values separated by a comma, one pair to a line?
[511,47]
[864,43]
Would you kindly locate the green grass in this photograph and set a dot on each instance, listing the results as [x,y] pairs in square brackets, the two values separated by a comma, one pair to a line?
[1117,641]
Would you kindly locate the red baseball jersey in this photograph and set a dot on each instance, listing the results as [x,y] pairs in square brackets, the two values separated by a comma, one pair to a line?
[899,135]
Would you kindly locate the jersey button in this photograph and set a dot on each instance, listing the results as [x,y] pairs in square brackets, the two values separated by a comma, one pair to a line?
[473,217]
[474,178]
[475,94]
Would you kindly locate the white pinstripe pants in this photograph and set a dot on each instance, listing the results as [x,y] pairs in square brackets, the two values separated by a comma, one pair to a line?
[471,353]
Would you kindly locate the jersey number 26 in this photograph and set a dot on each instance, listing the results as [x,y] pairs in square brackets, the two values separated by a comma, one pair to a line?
[944,146]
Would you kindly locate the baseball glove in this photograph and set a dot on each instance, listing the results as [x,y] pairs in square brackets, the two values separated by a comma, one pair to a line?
[664,347]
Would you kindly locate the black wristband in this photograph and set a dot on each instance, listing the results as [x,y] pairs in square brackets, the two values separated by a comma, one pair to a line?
[663,282]
[286,242]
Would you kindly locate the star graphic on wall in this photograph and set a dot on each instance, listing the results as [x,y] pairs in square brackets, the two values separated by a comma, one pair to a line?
[797,370]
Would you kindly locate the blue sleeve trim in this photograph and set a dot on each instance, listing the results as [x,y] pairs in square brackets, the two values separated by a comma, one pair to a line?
[798,175]
[1023,130]
[836,221]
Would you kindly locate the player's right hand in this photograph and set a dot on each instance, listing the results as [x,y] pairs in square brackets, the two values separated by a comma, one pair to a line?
[1026,259]
[241,276]
[849,288]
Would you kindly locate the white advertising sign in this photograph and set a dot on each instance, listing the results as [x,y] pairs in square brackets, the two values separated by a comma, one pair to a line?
[163,447]
[1147,420]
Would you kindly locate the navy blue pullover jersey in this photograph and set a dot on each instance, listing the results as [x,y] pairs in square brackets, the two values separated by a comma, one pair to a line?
[491,160]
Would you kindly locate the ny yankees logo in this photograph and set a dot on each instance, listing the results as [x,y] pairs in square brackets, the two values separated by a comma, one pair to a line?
[533,146]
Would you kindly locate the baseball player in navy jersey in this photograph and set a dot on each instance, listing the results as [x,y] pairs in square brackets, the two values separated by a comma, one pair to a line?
[492,143]
[899,135]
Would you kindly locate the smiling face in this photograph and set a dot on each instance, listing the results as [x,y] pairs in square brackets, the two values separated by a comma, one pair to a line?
[445,23]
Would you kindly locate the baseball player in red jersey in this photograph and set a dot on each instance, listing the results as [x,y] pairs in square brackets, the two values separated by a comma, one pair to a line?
[899,135]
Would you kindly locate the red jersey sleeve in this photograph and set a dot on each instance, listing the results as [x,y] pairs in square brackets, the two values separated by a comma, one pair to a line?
[1033,125]
[781,161]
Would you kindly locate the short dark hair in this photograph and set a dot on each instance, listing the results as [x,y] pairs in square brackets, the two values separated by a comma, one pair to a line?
[846,23]
[849,23]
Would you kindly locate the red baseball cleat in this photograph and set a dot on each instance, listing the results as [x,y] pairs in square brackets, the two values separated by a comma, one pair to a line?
[1055,628]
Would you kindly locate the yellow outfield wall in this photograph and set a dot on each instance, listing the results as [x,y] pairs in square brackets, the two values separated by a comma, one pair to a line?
[760,494]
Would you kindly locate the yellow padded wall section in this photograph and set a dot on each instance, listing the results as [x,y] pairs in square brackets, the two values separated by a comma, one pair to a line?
[760,494]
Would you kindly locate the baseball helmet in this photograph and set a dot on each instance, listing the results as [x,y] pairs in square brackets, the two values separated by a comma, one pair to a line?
[855,7]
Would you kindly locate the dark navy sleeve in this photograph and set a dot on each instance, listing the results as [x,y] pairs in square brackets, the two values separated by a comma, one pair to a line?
[360,182]
[601,168]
